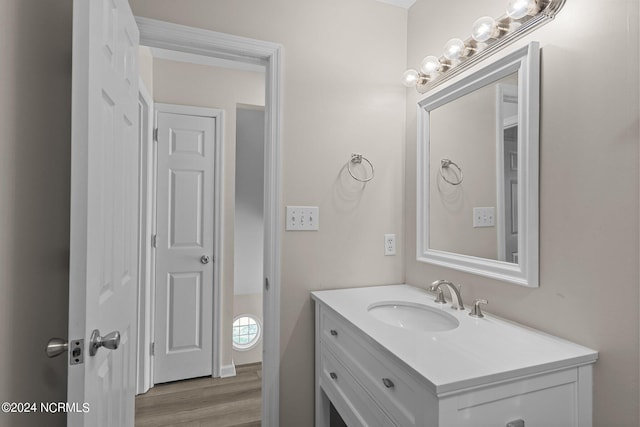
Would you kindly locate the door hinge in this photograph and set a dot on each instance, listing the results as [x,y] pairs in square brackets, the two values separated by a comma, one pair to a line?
[152,350]
[155,134]
[154,241]
[266,283]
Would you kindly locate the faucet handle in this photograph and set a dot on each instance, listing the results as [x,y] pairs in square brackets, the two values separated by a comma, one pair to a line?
[476,311]
[439,294]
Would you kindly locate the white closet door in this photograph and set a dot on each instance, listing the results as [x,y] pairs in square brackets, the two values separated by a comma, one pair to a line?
[184,264]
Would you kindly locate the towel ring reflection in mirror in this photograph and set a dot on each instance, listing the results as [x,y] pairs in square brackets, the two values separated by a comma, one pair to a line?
[357,159]
[444,164]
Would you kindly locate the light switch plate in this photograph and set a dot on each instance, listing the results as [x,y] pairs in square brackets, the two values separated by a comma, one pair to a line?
[303,218]
[484,217]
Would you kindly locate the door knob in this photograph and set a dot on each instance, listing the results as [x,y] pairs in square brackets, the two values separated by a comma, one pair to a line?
[110,341]
[205,259]
[56,346]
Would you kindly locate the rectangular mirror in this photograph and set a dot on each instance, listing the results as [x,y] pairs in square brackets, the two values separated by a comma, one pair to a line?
[478,171]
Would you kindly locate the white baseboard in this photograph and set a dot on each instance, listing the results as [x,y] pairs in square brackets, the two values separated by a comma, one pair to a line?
[228,371]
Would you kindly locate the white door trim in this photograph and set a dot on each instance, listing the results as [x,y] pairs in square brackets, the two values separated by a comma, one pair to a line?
[218,148]
[146,253]
[166,35]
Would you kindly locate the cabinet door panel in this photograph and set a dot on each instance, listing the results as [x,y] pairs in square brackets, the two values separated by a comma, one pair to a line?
[550,407]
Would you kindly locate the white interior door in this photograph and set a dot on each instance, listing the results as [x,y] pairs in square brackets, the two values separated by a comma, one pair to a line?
[104,200]
[507,171]
[510,166]
[184,246]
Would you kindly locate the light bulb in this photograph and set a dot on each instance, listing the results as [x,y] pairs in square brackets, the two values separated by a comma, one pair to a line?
[430,65]
[410,78]
[484,28]
[517,9]
[454,49]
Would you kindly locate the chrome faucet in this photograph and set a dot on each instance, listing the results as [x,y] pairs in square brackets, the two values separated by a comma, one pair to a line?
[456,298]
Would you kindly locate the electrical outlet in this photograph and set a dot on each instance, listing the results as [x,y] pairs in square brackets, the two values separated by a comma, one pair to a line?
[303,218]
[389,244]
[484,217]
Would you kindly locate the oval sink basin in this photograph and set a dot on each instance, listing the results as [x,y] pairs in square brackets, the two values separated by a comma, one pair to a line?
[416,317]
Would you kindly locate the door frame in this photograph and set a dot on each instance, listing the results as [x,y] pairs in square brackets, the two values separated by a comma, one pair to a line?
[218,174]
[166,35]
[146,252]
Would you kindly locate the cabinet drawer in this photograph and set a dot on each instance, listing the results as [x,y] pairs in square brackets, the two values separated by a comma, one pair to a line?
[540,401]
[353,403]
[391,387]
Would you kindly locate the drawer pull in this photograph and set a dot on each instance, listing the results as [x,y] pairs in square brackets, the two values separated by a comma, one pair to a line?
[388,383]
[333,375]
[334,332]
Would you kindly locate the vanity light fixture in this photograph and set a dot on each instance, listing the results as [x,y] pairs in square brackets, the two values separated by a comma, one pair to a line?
[518,9]
[455,49]
[486,28]
[410,78]
[430,65]
[488,36]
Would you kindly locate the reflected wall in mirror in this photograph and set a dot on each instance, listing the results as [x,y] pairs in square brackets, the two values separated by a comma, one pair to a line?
[478,132]
[478,171]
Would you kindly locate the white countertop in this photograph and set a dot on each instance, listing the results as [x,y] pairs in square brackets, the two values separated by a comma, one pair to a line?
[477,352]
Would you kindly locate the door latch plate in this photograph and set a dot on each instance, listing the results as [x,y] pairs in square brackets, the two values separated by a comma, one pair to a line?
[76,352]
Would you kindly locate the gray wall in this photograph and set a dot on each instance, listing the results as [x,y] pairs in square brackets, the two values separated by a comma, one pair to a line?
[588,187]
[35,134]
[463,131]
[249,221]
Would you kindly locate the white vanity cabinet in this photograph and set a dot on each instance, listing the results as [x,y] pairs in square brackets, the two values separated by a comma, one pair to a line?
[377,375]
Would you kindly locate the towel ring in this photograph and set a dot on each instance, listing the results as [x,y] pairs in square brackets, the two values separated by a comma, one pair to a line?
[357,159]
[444,164]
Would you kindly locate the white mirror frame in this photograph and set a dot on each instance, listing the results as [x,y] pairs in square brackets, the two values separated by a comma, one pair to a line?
[526,62]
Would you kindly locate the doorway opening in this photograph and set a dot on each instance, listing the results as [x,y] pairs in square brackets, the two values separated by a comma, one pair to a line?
[237,52]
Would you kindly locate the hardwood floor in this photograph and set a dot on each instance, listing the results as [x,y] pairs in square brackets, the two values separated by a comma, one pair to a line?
[204,402]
